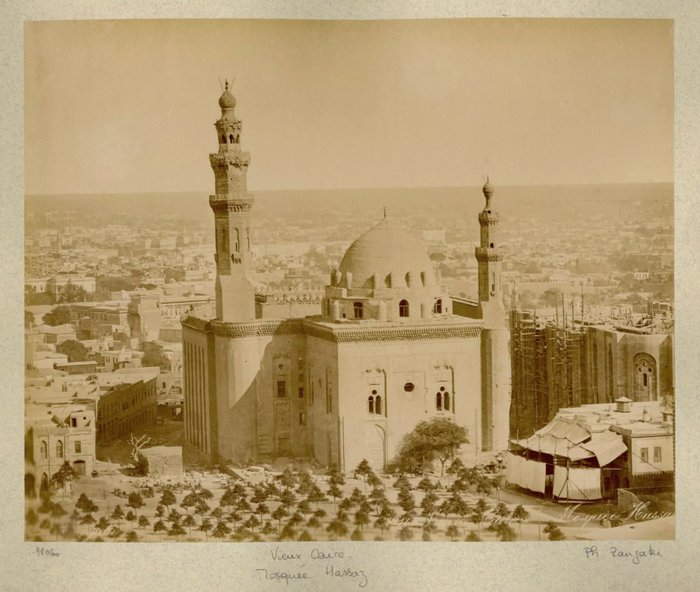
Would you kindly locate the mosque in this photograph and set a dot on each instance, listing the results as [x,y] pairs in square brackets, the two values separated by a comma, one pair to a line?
[387,349]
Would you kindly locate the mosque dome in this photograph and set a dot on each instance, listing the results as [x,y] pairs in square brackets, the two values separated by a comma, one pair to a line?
[391,253]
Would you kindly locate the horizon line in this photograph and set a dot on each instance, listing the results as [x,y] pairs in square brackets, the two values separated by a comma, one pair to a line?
[396,188]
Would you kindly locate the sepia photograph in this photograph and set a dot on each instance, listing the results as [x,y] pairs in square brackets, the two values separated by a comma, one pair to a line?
[349,281]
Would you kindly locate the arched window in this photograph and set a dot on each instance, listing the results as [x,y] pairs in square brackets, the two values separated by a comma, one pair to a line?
[236,244]
[59,449]
[358,309]
[438,401]
[223,139]
[374,403]
[403,308]
[446,401]
[437,307]
[231,138]
[44,450]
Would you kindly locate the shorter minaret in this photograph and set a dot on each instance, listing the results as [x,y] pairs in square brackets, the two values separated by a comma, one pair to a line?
[235,293]
[495,336]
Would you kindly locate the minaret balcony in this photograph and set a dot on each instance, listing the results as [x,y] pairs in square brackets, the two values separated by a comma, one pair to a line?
[488,254]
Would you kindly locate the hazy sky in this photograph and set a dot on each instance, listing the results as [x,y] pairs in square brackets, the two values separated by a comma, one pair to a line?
[128,106]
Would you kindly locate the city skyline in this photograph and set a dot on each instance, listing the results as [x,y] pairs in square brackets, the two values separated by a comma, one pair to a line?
[598,109]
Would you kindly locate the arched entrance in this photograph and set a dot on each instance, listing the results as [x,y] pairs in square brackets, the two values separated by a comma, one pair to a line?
[376,447]
[79,467]
[44,488]
[29,485]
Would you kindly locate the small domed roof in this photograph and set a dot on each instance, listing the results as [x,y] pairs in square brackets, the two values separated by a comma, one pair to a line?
[384,249]
[227,100]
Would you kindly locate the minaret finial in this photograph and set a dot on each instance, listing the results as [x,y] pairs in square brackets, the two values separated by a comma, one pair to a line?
[385,213]
[226,84]
[487,190]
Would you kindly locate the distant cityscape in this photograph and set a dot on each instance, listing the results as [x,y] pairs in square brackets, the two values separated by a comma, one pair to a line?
[587,277]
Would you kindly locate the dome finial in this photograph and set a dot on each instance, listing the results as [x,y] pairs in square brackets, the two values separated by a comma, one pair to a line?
[226,84]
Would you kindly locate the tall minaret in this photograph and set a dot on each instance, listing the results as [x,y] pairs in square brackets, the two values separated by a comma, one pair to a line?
[495,336]
[235,294]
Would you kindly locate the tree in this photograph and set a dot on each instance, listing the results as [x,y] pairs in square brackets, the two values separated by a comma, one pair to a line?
[313,522]
[174,516]
[437,438]
[363,469]
[167,499]
[72,293]
[205,527]
[288,478]
[452,532]
[484,486]
[137,445]
[337,529]
[502,511]
[472,537]
[554,532]
[428,505]
[143,521]
[75,351]
[176,530]
[262,509]
[132,537]
[406,500]
[361,519]
[117,513]
[59,315]
[357,535]
[503,531]
[160,526]
[334,491]
[84,503]
[130,516]
[305,536]
[221,530]
[279,513]
[135,500]
[406,534]
[425,484]
[154,355]
[63,476]
[288,498]
[288,533]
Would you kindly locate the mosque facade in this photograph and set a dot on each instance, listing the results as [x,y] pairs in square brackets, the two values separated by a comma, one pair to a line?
[385,351]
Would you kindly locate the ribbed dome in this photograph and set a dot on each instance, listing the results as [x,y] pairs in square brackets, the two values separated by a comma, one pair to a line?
[384,249]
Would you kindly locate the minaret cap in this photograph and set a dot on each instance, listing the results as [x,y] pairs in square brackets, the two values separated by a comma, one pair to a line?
[487,190]
[227,100]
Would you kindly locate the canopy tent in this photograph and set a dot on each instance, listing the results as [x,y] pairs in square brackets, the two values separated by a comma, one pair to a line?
[568,443]
[577,483]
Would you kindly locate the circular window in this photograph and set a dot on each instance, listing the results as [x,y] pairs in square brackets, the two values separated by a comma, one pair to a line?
[374,391]
[408,387]
[442,388]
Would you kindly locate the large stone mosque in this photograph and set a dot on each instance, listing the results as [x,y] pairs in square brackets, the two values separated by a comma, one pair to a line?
[387,349]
